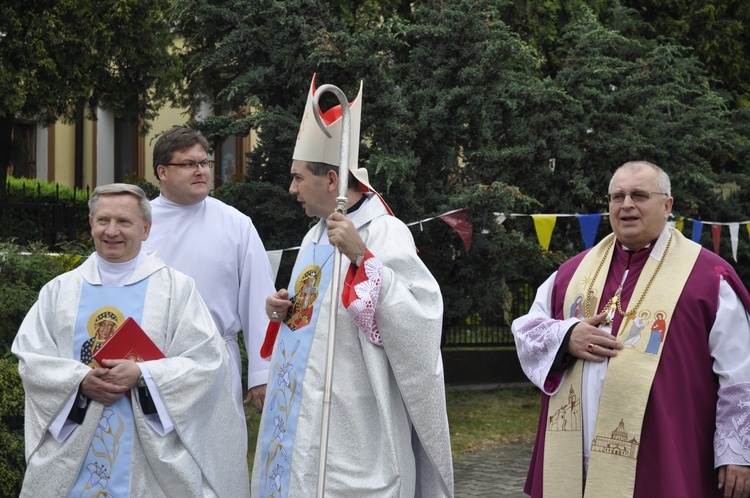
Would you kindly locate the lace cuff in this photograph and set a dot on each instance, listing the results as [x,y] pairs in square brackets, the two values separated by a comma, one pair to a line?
[538,339]
[361,291]
[732,438]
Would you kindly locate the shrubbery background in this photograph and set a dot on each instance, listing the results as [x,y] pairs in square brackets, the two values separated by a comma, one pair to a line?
[12,463]
[24,269]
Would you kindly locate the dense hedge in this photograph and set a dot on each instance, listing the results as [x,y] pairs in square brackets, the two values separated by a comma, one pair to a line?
[151,190]
[38,191]
[25,267]
[12,462]
[23,272]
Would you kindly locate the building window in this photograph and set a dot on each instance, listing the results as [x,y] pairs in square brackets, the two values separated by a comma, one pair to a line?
[227,161]
[126,149]
[23,153]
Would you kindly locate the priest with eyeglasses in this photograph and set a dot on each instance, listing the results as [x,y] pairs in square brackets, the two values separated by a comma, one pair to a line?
[641,347]
[219,247]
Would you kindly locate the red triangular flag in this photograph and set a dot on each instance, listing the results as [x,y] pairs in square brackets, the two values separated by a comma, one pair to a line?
[716,234]
[457,220]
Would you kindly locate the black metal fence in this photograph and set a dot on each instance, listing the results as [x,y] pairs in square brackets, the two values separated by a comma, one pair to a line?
[33,216]
[492,329]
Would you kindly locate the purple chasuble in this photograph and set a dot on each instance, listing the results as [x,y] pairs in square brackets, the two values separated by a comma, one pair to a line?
[676,456]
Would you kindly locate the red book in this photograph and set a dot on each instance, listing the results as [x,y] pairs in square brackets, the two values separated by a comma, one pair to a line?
[129,342]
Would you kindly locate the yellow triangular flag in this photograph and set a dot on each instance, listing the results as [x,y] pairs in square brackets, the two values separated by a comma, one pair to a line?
[544,224]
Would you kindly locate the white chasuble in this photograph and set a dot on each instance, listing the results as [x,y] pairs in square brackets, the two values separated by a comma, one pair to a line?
[388,426]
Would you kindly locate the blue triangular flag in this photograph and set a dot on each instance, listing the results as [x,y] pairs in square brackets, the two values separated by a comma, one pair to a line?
[589,226]
[697,229]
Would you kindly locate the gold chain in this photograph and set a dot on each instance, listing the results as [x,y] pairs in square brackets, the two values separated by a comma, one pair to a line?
[586,310]
[645,291]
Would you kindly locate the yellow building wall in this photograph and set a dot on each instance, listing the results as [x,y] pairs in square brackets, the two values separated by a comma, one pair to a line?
[65,139]
[62,150]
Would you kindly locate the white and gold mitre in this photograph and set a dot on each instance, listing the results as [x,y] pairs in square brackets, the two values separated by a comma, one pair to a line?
[314,146]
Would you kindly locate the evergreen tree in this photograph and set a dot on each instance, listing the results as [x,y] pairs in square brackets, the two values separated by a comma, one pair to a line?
[458,113]
[643,99]
[717,30]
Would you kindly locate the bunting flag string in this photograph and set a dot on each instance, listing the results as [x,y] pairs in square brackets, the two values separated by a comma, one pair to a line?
[544,225]
[274,257]
[734,232]
[697,229]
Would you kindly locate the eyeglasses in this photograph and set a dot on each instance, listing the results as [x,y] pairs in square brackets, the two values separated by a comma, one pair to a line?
[637,196]
[192,165]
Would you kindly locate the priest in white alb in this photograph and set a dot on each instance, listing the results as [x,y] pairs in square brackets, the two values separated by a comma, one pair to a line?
[218,247]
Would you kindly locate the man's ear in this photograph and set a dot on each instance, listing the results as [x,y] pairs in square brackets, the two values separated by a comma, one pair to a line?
[333,180]
[668,206]
[146,230]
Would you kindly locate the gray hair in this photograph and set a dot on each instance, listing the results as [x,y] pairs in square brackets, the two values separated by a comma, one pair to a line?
[177,139]
[144,206]
[662,178]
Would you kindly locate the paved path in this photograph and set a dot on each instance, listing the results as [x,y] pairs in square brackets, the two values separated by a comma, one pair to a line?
[498,472]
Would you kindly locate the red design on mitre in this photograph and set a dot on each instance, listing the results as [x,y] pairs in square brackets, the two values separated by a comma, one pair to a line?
[313,145]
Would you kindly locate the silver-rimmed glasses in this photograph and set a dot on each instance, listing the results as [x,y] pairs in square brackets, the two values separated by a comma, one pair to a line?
[637,196]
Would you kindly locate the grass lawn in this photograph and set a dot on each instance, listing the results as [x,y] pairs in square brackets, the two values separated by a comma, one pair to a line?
[478,419]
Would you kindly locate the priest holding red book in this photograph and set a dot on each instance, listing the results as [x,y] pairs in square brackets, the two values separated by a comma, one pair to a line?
[158,427]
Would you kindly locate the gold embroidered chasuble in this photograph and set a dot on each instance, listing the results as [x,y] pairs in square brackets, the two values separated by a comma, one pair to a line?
[629,375]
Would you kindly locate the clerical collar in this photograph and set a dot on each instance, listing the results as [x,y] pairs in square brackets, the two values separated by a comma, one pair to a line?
[357,204]
[116,274]
[658,246]
[627,249]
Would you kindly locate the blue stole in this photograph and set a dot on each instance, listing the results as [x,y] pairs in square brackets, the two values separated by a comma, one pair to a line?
[106,468]
[289,363]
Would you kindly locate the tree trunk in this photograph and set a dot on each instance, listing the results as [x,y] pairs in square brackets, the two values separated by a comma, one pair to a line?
[6,138]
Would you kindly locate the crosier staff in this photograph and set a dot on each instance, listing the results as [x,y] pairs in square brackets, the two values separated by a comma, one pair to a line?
[336,278]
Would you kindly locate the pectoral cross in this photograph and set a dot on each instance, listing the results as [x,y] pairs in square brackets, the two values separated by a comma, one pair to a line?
[611,308]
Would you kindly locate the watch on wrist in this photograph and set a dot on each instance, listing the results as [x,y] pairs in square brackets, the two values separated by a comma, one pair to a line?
[358,263]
